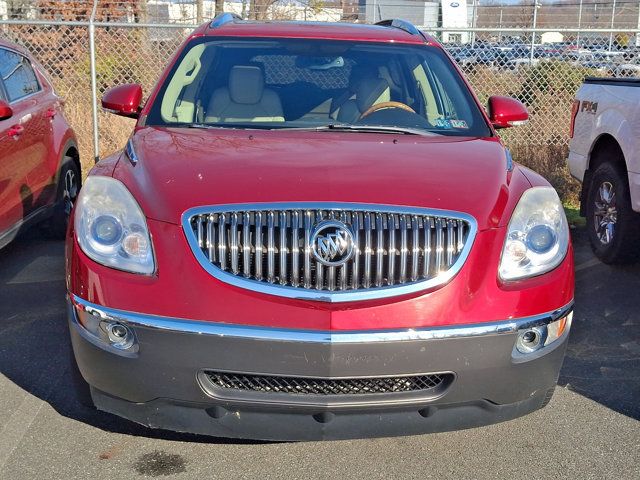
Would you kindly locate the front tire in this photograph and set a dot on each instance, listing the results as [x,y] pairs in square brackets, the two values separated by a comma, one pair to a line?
[613,227]
[69,182]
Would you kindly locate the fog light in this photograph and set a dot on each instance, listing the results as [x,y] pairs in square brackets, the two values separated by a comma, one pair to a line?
[531,339]
[119,335]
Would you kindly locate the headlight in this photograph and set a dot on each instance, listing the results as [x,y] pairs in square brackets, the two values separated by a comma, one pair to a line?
[111,228]
[537,236]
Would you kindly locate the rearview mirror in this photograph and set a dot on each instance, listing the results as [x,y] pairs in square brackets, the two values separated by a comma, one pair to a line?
[123,100]
[5,110]
[505,112]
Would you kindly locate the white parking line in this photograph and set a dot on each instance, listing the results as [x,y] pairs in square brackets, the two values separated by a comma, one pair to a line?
[14,430]
[588,264]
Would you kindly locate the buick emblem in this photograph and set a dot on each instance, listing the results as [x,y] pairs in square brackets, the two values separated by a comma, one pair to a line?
[332,243]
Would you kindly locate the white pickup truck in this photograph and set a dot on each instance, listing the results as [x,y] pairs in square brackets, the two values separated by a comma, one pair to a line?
[605,156]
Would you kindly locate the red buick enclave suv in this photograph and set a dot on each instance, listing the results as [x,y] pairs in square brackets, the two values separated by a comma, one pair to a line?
[315,232]
[39,162]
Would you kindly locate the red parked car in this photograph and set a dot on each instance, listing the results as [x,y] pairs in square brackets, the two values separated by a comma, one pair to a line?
[315,232]
[39,161]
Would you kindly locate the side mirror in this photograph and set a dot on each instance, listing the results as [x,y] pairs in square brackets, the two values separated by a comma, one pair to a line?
[505,112]
[5,110]
[123,100]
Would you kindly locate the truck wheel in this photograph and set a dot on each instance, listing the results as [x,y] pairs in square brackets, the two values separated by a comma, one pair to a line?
[69,183]
[613,227]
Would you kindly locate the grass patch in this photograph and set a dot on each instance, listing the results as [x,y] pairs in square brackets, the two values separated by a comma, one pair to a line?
[573,215]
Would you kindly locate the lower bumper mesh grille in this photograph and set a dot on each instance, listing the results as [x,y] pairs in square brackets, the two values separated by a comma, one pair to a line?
[322,386]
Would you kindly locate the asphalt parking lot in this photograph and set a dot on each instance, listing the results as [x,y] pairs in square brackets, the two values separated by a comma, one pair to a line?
[590,430]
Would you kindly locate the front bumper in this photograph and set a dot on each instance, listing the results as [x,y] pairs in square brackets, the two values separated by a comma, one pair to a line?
[160,382]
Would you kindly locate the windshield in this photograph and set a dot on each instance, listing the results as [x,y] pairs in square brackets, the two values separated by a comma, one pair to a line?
[301,83]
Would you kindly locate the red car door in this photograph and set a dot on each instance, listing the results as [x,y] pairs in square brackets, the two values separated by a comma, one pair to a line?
[22,140]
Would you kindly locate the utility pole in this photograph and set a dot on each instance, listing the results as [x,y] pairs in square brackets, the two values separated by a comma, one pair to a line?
[533,33]
[579,25]
[199,12]
[474,21]
[613,16]
[500,32]
[638,29]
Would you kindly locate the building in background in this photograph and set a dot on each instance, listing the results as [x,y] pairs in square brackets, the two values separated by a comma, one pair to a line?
[455,14]
[424,14]
[446,14]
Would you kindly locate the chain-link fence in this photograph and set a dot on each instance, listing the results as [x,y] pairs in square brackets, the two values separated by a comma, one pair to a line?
[87,47]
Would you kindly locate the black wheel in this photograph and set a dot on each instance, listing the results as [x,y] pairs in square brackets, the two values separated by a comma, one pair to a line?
[69,183]
[613,227]
[80,385]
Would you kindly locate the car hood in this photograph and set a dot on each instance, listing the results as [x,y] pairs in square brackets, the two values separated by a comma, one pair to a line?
[181,168]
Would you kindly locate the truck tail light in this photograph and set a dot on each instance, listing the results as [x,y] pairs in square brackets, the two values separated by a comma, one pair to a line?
[574,113]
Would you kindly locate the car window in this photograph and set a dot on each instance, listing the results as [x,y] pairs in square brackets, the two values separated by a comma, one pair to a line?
[302,83]
[17,75]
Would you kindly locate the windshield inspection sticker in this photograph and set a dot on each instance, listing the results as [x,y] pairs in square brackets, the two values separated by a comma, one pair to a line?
[458,124]
[443,123]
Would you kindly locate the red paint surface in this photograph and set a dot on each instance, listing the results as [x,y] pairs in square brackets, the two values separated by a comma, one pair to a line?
[32,145]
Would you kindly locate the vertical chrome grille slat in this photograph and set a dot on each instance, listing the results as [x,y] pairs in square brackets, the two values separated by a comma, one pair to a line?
[404,248]
[307,249]
[271,248]
[366,281]
[246,245]
[222,247]
[427,248]
[460,237]
[319,266]
[415,248]
[211,239]
[233,242]
[449,243]
[355,274]
[344,270]
[295,251]
[391,267]
[283,248]
[258,242]
[439,245]
[200,231]
[379,249]
[390,248]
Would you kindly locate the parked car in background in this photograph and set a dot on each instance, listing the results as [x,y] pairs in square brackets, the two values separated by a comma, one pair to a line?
[605,156]
[39,162]
[316,232]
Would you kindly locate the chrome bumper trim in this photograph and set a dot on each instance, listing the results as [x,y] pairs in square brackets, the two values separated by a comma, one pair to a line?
[312,336]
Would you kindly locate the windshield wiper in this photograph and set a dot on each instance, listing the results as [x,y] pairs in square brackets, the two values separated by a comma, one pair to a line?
[346,127]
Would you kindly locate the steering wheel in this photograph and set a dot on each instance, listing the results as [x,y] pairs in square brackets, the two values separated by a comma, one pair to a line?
[383,105]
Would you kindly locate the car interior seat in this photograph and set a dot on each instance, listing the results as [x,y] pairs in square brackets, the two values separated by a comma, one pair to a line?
[245,99]
[368,92]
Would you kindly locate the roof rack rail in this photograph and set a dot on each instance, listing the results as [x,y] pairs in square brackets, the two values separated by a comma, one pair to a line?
[224,18]
[401,24]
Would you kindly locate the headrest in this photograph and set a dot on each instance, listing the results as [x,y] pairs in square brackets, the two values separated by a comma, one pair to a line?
[361,72]
[368,91]
[246,84]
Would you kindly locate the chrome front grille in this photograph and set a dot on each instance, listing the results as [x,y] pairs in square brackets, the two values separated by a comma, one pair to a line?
[269,248]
